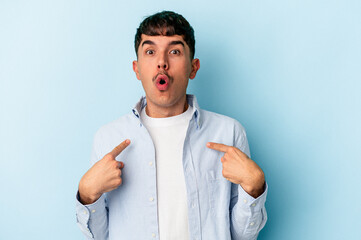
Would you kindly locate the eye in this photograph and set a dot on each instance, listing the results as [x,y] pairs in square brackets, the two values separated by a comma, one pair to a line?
[175,51]
[149,52]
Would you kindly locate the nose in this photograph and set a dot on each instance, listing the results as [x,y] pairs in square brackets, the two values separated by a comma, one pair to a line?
[163,63]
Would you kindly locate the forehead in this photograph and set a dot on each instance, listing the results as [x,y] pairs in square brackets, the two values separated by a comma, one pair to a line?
[162,40]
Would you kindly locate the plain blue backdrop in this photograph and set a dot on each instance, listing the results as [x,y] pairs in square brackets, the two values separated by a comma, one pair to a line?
[289,71]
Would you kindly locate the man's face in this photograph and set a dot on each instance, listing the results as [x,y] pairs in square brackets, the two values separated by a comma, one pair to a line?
[164,66]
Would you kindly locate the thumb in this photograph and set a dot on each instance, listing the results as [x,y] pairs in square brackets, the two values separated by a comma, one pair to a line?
[121,165]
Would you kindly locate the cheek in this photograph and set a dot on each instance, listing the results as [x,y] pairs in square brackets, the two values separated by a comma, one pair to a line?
[146,84]
[189,70]
[143,72]
[186,69]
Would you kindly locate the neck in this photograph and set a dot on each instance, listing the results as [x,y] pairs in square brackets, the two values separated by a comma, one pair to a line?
[156,111]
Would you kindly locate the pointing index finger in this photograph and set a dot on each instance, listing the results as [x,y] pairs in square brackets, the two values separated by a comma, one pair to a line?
[118,149]
[218,146]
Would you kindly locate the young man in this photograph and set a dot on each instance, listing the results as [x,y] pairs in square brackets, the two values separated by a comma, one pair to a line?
[179,172]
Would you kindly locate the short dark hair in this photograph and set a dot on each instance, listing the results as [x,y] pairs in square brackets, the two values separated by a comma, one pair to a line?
[166,23]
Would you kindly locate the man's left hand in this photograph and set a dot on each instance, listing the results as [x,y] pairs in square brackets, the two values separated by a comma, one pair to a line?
[238,168]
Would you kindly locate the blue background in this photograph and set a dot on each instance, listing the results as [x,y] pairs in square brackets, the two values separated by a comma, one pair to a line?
[289,71]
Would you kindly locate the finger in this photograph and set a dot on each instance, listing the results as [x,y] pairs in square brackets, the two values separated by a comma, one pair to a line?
[120,165]
[218,146]
[118,149]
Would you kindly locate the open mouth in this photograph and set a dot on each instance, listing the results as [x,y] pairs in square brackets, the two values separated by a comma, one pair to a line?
[162,82]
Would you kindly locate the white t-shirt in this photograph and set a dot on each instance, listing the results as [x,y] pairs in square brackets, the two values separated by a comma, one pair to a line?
[168,136]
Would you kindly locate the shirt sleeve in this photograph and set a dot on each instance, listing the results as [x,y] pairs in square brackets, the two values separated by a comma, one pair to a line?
[248,215]
[92,219]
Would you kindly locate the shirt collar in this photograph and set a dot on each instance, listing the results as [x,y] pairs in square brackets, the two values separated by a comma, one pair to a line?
[191,99]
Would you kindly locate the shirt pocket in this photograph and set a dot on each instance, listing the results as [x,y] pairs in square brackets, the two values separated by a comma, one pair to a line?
[219,191]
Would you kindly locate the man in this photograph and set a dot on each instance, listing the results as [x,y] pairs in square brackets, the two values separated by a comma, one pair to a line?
[179,172]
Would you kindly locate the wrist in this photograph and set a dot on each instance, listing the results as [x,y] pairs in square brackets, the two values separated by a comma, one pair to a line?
[87,197]
[256,188]
[255,192]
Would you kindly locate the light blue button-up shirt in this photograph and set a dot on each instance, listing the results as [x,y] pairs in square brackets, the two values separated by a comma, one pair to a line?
[217,208]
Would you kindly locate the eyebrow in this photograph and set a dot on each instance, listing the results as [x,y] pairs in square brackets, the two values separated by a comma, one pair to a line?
[148,42]
[171,43]
[176,43]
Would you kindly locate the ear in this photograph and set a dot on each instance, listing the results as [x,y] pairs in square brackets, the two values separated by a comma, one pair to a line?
[135,69]
[195,68]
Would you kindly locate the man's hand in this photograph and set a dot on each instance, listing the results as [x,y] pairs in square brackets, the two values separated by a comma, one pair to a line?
[103,176]
[238,168]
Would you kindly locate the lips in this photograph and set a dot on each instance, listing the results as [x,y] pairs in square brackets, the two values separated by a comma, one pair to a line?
[162,82]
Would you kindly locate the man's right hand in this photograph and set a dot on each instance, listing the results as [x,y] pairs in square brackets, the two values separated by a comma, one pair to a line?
[103,176]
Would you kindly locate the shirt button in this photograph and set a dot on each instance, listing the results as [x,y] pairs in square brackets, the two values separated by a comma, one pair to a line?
[150,163]
[151,199]
[93,211]
[253,205]
[252,223]
[153,235]
[85,212]
[245,200]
